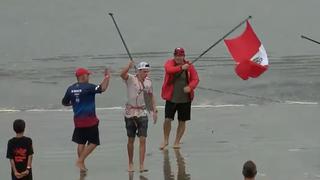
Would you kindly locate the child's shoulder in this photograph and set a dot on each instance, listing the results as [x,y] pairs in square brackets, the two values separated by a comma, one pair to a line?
[11,140]
[15,139]
[28,138]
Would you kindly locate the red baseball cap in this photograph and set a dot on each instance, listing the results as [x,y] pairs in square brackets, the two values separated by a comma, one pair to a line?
[81,71]
[179,51]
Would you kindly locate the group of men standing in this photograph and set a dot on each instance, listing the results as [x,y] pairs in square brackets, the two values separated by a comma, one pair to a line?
[180,81]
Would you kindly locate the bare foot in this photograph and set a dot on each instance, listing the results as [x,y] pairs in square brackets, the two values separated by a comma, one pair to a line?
[142,170]
[130,168]
[163,145]
[176,146]
[81,166]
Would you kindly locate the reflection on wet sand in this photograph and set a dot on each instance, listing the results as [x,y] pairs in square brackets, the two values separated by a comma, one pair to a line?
[181,166]
[141,177]
[167,173]
[83,176]
[130,175]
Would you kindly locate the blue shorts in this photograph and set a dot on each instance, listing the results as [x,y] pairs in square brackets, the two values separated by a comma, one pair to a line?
[137,126]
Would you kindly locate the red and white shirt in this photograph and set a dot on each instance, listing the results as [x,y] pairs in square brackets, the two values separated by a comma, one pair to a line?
[135,105]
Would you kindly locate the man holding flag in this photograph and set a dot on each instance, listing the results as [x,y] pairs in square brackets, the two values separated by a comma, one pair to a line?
[180,80]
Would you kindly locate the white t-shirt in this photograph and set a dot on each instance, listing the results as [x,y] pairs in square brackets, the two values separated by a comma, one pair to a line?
[136,105]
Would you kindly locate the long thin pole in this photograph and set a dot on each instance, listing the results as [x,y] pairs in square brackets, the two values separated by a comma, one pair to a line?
[123,42]
[304,37]
[213,45]
[221,39]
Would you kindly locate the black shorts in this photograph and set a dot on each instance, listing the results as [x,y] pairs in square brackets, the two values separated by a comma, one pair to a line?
[184,110]
[137,126]
[86,135]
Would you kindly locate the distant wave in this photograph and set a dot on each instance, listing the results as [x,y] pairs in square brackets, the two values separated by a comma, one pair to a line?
[159,107]
[9,110]
[301,102]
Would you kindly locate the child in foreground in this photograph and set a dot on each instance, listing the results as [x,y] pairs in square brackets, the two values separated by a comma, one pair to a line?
[20,152]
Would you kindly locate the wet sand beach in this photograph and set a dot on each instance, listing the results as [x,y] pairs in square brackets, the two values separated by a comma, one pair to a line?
[281,138]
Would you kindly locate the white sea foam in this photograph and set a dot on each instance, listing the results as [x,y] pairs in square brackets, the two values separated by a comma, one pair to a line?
[159,107]
[301,102]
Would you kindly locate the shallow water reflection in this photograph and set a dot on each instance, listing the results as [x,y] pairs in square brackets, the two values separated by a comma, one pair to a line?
[141,177]
[170,174]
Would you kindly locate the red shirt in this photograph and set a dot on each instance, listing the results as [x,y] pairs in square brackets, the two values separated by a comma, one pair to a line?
[172,68]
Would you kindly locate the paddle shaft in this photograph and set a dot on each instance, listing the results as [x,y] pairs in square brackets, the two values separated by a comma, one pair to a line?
[123,42]
[304,37]
[213,45]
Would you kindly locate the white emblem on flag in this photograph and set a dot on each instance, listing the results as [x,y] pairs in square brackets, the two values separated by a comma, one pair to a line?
[261,57]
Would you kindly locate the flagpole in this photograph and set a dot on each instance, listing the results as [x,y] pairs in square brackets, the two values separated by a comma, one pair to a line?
[221,39]
[213,45]
[304,37]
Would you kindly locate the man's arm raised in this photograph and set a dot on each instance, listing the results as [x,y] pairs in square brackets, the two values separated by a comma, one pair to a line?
[105,82]
[124,72]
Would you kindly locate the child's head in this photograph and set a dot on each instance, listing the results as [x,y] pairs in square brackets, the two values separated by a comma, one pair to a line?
[249,169]
[19,126]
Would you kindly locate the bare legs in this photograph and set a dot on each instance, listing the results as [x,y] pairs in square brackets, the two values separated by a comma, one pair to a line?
[142,152]
[180,131]
[83,152]
[166,133]
[130,148]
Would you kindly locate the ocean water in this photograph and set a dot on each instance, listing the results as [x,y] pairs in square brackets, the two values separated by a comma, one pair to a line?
[43,42]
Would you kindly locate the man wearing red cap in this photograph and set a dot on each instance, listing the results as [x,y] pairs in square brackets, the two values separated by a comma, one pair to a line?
[81,96]
[180,80]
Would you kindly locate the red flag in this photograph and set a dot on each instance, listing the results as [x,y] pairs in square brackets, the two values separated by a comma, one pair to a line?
[249,54]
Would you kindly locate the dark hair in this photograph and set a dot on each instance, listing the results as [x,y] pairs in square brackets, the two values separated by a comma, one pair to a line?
[19,125]
[249,169]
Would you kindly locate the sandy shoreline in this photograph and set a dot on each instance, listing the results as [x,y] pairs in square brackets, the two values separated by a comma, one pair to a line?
[282,139]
